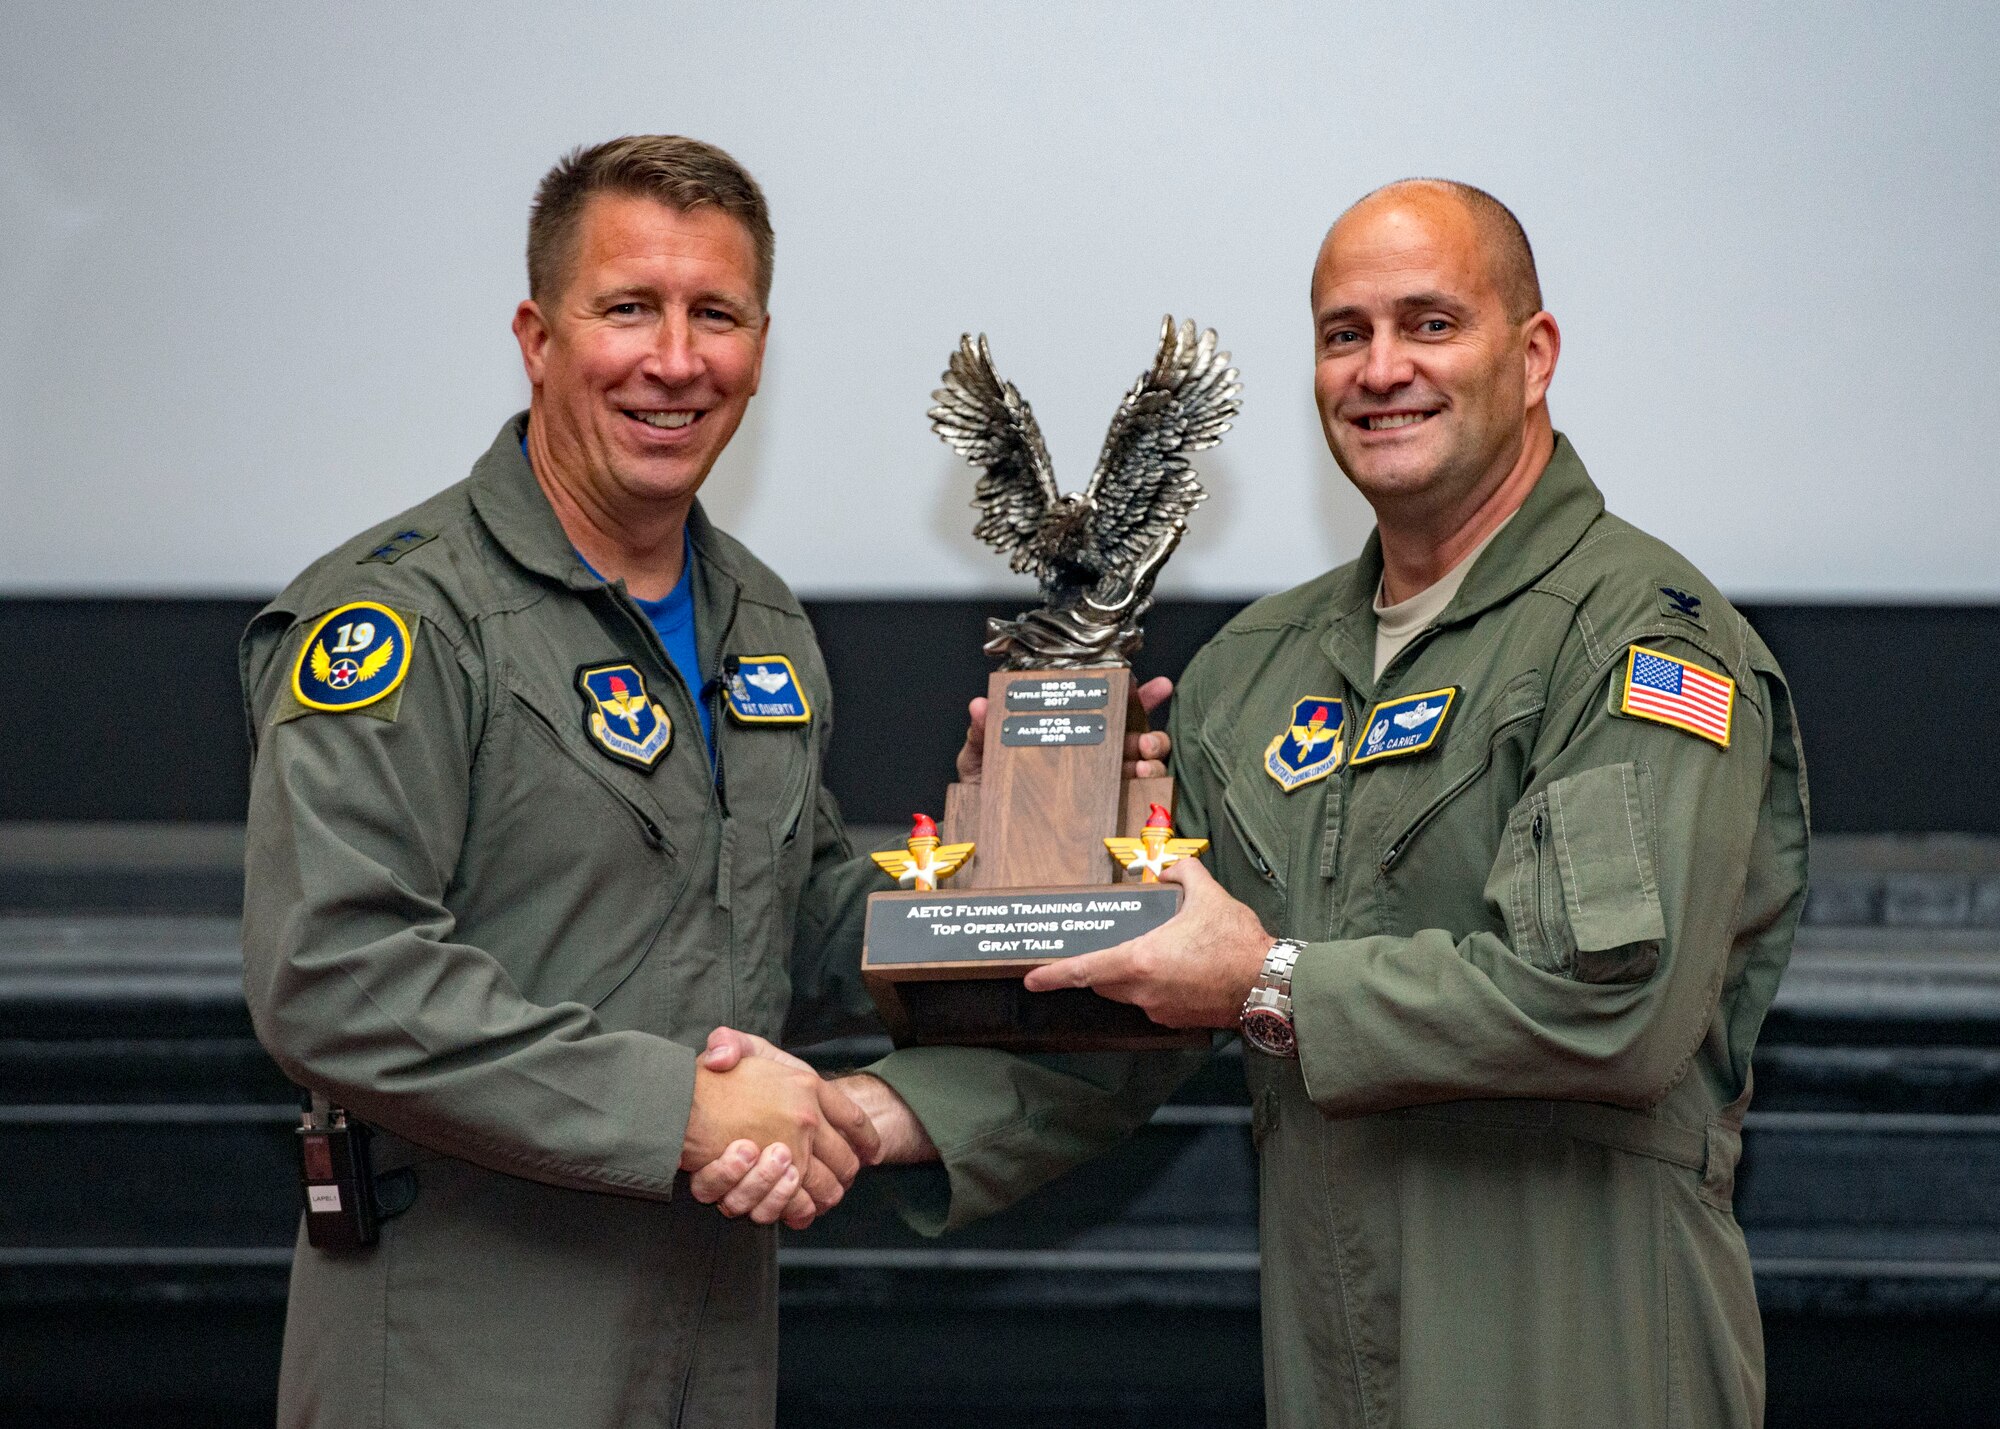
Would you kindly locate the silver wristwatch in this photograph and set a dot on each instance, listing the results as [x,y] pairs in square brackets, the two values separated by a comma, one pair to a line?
[1267,1011]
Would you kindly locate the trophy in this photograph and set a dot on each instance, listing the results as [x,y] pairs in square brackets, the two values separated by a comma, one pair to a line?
[1054,852]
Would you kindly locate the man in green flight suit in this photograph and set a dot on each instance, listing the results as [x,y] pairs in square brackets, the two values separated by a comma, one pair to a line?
[536,808]
[1509,822]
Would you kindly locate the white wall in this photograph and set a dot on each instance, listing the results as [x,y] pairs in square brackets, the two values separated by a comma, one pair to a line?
[257,262]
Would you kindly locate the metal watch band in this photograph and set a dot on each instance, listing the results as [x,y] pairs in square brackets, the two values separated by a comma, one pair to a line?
[1267,1011]
[1277,972]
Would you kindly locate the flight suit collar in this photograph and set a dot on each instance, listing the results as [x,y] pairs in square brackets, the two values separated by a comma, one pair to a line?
[1561,507]
[1564,504]
[1555,517]
[514,509]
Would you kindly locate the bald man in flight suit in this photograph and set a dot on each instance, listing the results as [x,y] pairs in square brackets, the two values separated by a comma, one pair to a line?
[1501,946]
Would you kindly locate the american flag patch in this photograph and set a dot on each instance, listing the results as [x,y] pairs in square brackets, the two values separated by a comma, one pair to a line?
[1660,687]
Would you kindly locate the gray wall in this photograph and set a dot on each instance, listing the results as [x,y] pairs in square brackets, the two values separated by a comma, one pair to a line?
[258,261]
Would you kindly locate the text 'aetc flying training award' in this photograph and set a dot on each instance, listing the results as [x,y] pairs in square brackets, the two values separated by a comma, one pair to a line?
[1054,852]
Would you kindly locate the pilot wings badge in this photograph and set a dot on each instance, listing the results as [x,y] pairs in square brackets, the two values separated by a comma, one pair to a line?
[1407,726]
[764,689]
[622,720]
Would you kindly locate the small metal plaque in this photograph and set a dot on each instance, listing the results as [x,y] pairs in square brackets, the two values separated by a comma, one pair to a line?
[1058,694]
[1052,729]
[1012,927]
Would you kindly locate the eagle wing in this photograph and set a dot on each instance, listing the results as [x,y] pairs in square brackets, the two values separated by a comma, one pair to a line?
[986,421]
[1143,483]
[322,663]
[372,664]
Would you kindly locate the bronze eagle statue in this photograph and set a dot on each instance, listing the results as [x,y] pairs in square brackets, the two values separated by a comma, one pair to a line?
[1097,553]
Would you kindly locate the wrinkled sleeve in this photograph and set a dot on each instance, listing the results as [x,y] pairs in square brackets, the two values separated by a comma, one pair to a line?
[1005,1123]
[1618,881]
[355,982]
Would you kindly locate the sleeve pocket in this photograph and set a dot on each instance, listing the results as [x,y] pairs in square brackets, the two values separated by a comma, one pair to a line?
[1604,850]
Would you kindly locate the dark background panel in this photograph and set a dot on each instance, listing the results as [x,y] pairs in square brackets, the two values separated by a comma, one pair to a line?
[127,708]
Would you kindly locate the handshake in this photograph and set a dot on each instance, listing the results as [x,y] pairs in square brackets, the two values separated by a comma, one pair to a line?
[767,1137]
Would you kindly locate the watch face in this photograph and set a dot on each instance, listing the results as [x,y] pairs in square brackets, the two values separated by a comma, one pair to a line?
[1270,1031]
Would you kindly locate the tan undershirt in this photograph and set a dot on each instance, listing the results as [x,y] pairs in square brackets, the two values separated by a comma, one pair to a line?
[1397,625]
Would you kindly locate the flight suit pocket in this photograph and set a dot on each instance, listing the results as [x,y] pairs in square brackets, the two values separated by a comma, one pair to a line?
[1584,898]
[1249,849]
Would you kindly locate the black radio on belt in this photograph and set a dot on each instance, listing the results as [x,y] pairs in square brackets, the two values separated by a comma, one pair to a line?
[338,1180]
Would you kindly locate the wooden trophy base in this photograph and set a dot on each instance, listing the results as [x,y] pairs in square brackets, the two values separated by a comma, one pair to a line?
[945,966]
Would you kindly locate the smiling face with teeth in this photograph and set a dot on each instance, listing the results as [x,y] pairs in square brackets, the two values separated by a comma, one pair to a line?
[642,365]
[1430,394]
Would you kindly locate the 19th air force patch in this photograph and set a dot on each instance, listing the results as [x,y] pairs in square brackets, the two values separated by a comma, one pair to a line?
[1401,727]
[621,719]
[356,656]
[1310,748]
[764,689]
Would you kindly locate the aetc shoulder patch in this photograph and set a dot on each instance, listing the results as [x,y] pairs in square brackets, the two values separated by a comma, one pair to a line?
[1410,725]
[356,655]
[764,689]
[1668,690]
[621,719]
[1310,746]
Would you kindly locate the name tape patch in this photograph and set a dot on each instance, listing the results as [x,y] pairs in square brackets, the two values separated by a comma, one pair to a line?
[1397,728]
[765,689]
[356,655]
[1310,747]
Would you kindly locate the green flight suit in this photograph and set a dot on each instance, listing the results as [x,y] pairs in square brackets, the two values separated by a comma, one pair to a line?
[473,928]
[470,926]
[1496,1183]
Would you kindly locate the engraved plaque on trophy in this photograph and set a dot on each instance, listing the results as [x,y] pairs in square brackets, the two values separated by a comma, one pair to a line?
[1053,853]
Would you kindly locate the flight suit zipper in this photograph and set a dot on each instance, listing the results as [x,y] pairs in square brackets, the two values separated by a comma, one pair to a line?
[1431,811]
[1535,836]
[724,674]
[1258,859]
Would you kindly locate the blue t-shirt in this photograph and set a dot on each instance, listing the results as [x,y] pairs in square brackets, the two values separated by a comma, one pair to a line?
[673,620]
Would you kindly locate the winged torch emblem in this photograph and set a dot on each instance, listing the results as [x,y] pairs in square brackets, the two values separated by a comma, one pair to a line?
[922,862]
[1156,848]
[1098,552]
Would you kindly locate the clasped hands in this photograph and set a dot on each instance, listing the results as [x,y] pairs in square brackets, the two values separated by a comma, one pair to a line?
[768,1138]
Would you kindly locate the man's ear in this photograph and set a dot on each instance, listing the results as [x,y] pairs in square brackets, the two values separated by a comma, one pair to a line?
[763,336]
[531,330]
[1541,346]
